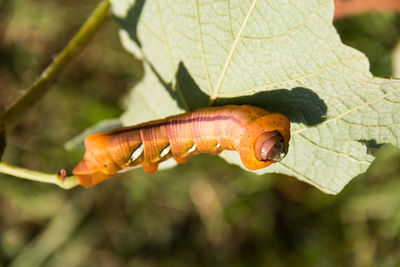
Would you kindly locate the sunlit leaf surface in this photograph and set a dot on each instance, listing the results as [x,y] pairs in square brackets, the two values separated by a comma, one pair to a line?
[285,56]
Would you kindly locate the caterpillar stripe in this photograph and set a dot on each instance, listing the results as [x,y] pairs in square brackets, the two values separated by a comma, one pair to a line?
[260,137]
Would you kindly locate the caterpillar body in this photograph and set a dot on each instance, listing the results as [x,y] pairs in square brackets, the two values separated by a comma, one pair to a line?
[260,137]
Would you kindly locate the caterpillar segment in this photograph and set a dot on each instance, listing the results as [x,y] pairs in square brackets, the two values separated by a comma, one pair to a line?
[260,137]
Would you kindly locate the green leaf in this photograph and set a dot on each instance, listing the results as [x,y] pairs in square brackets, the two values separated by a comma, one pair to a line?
[285,56]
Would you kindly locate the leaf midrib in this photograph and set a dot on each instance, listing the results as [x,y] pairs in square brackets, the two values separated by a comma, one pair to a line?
[228,60]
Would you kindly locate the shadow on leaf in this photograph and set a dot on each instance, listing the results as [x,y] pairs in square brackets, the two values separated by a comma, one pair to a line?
[300,105]
[190,92]
[372,146]
[186,92]
[131,20]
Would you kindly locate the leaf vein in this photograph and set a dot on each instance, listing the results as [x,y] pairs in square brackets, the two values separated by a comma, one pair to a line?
[349,157]
[366,104]
[231,51]
[264,87]
[309,180]
[205,66]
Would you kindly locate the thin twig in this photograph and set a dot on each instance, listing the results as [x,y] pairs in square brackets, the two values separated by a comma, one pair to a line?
[66,183]
[53,72]
[39,88]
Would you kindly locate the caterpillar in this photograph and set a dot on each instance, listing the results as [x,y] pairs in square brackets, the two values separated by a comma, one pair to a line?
[260,137]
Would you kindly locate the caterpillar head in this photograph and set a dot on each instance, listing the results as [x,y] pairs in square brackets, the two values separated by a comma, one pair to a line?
[270,146]
[265,141]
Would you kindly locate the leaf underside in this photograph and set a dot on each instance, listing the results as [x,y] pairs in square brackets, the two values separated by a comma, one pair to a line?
[284,56]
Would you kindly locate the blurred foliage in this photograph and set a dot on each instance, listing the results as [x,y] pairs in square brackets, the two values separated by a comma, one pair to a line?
[202,213]
[375,34]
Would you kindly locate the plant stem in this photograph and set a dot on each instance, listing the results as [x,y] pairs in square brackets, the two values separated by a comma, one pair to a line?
[66,183]
[39,88]
[49,76]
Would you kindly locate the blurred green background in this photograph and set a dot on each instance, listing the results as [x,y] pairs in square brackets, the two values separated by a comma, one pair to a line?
[203,213]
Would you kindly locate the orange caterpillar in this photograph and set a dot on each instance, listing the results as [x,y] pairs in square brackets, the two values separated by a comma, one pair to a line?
[260,137]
